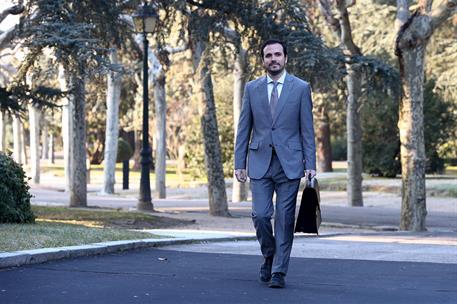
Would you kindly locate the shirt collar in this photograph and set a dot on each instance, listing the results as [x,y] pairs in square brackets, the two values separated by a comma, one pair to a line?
[280,80]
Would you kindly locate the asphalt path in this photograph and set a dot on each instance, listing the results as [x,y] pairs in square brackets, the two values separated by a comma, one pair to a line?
[165,276]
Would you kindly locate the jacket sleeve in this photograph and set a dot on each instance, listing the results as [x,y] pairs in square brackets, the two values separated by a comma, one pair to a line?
[243,131]
[307,129]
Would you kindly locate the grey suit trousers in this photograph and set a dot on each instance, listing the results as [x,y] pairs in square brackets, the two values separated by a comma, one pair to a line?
[279,244]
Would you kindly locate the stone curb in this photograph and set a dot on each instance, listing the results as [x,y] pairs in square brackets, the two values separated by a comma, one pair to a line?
[368,227]
[36,256]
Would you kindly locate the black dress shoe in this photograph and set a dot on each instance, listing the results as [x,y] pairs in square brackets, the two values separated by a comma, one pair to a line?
[265,270]
[277,280]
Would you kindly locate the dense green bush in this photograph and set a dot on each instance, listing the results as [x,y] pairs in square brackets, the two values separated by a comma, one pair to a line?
[380,139]
[440,121]
[339,148]
[14,193]
[381,143]
[124,150]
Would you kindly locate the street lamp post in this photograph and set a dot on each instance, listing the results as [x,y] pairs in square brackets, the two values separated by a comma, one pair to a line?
[145,20]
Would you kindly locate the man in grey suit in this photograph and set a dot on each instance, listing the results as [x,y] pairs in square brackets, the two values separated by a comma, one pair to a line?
[275,139]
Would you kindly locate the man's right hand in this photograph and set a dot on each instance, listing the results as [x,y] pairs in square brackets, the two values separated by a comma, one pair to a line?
[241,175]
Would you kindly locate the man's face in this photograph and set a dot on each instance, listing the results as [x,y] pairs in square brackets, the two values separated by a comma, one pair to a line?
[274,60]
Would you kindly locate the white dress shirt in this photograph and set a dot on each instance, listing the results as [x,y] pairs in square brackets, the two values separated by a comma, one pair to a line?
[279,86]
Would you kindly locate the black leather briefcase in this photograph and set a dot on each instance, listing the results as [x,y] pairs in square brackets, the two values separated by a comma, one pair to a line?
[309,216]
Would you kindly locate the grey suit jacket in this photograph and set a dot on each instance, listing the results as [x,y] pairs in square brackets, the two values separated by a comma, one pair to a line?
[290,132]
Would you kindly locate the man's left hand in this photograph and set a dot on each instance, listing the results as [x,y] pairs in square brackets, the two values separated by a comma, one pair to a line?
[309,174]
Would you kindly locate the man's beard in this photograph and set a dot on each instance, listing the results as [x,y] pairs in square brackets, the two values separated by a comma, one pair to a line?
[275,72]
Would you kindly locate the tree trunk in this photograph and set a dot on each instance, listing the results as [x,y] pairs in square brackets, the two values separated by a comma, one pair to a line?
[324,147]
[34,127]
[353,84]
[411,125]
[44,138]
[2,131]
[354,137]
[413,34]
[161,145]
[17,139]
[67,128]
[137,150]
[88,169]
[181,161]
[51,149]
[113,96]
[137,123]
[67,138]
[125,175]
[78,186]
[25,138]
[199,39]
[240,190]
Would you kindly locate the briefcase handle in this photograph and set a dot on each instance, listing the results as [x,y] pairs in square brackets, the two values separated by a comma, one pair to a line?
[311,182]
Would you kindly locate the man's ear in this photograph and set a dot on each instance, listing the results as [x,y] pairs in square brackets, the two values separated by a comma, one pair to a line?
[285,60]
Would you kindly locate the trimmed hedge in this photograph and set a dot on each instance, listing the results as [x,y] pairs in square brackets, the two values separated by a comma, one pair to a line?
[14,193]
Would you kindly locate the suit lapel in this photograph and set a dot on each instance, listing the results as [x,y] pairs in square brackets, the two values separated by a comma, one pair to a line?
[262,93]
[286,88]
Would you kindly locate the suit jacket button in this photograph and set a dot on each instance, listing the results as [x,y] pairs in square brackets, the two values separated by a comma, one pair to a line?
[270,145]
[273,129]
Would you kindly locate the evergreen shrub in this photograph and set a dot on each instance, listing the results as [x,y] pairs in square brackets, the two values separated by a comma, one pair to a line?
[339,148]
[124,150]
[14,193]
[440,123]
[380,139]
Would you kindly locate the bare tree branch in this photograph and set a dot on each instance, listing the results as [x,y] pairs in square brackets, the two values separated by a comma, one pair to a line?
[25,66]
[7,36]
[402,13]
[177,49]
[232,35]
[349,3]
[14,10]
[326,10]
[346,32]
[442,11]
[425,5]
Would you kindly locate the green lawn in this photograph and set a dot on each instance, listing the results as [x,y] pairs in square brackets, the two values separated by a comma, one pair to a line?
[108,218]
[62,226]
[451,170]
[54,234]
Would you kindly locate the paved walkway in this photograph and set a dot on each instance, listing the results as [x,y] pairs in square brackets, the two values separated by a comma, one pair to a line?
[170,276]
[380,246]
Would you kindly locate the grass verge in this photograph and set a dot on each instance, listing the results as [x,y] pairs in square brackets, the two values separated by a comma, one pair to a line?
[61,226]
[45,235]
[107,218]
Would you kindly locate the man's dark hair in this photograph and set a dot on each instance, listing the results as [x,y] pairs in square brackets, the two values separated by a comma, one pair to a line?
[273,41]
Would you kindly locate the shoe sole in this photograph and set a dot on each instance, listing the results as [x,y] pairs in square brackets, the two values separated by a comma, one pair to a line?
[275,286]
